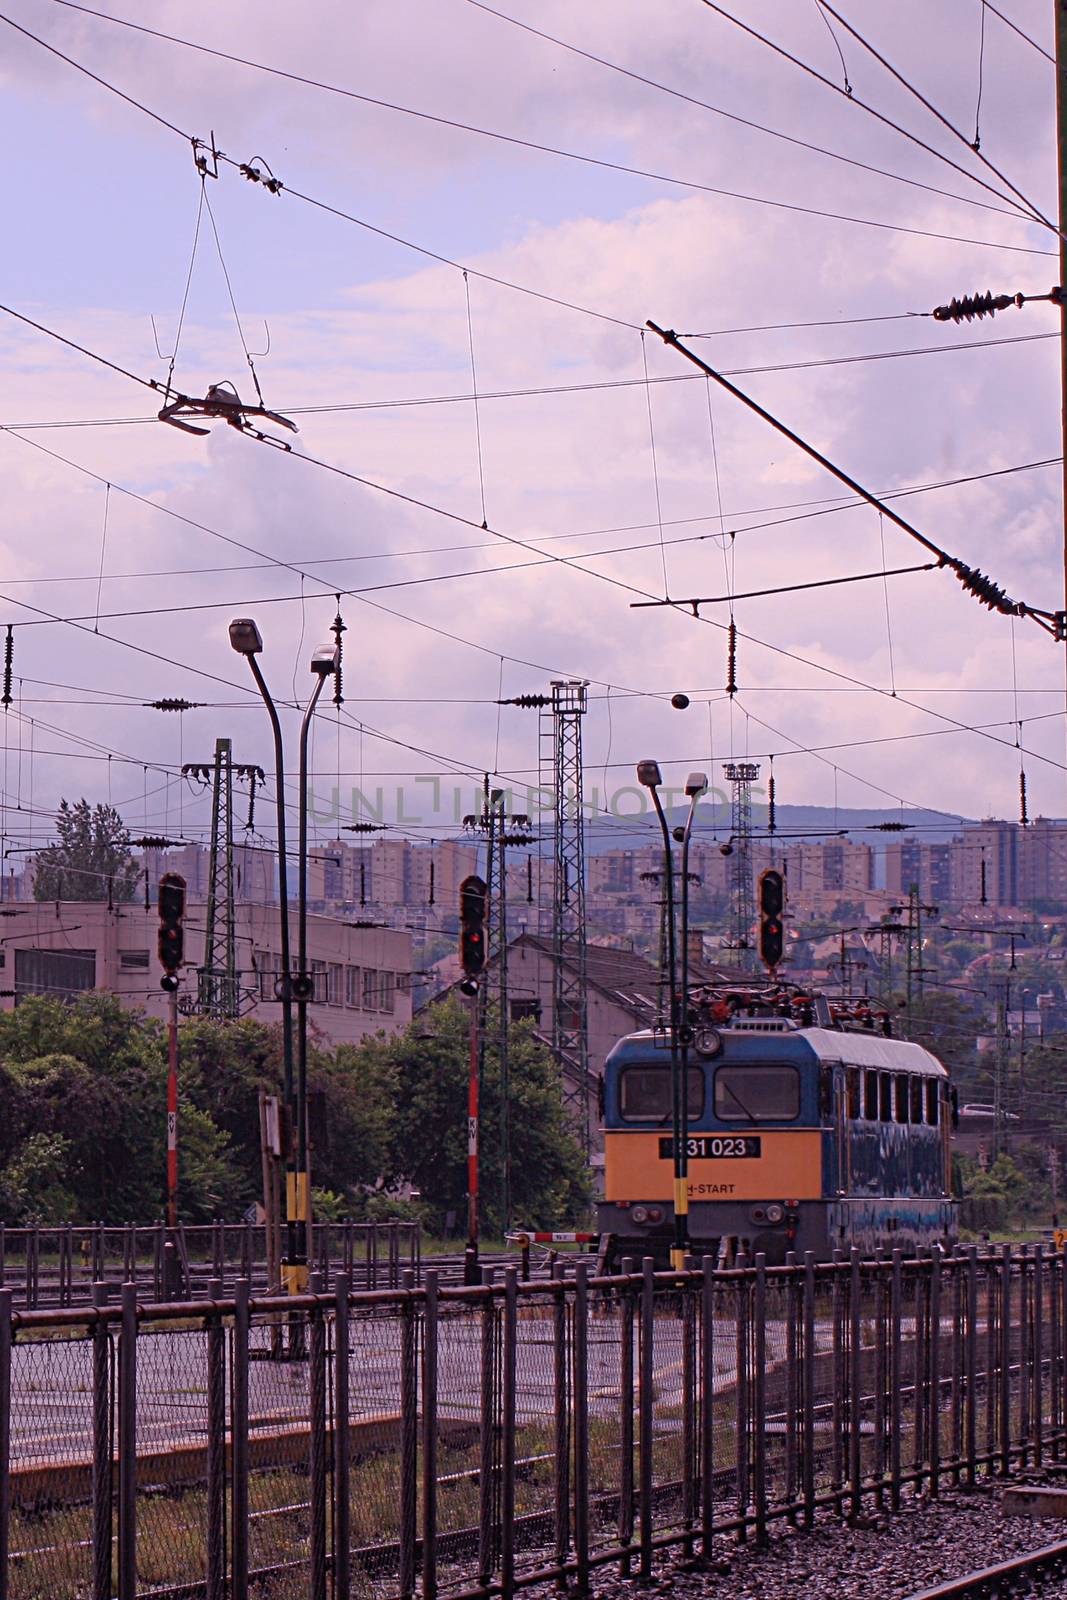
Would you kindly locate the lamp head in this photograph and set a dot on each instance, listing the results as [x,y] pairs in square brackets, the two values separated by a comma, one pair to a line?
[324,660]
[648,774]
[696,784]
[245,637]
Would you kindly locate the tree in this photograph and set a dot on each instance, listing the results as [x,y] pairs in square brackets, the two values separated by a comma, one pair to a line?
[92,858]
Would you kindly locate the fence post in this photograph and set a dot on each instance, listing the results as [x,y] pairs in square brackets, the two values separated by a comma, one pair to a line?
[581,1426]
[128,1445]
[743,1439]
[791,1290]
[342,1442]
[807,1449]
[971,1357]
[934,1354]
[759,1395]
[216,1447]
[508,1382]
[896,1294]
[409,1431]
[239,1437]
[644,1418]
[102,1471]
[317,1441]
[1039,1354]
[707,1409]
[1005,1360]
[626,1417]
[689,1407]
[488,1479]
[5,1437]
[429,1441]
[855,1385]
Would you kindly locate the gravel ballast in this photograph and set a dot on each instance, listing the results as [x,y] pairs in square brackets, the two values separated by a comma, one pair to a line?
[887,1556]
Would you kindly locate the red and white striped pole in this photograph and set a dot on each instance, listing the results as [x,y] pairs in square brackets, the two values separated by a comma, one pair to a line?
[471,1270]
[172,1111]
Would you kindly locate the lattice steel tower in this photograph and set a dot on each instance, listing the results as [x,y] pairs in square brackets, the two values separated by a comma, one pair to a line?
[561,770]
[742,775]
[218,980]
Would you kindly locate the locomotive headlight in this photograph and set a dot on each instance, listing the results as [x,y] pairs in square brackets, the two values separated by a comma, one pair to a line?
[775,1213]
[655,1214]
[639,1213]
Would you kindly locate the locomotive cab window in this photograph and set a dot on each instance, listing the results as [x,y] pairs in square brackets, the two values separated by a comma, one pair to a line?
[645,1093]
[870,1095]
[757,1094]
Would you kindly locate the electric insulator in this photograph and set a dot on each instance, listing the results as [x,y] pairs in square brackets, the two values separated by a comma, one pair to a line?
[731,660]
[1023,818]
[970,306]
[984,589]
[337,630]
[9,656]
[173,705]
[770,804]
[251,822]
[527,702]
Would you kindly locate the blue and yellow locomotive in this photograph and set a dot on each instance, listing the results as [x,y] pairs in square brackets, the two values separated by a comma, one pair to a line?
[807,1130]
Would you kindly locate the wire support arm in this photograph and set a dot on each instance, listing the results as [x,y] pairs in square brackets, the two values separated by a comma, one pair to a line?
[696,601]
[983,588]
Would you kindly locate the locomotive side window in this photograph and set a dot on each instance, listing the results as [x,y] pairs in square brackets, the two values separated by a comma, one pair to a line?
[645,1093]
[870,1095]
[855,1109]
[885,1102]
[916,1099]
[757,1094]
[902,1097]
[933,1101]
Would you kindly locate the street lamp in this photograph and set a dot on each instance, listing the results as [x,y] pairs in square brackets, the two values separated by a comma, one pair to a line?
[323,665]
[696,785]
[650,778]
[247,640]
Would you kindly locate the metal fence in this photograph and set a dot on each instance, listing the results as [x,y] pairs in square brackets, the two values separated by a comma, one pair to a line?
[434,1440]
[59,1266]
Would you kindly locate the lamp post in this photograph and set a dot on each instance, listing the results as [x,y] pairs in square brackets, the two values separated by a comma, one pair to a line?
[246,639]
[323,665]
[695,785]
[650,778]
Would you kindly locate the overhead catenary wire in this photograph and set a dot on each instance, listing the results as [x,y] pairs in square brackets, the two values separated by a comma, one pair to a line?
[276,186]
[945,121]
[1023,209]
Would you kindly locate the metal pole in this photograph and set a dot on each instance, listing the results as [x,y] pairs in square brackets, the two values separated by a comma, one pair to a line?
[172,1114]
[1061,154]
[6,1340]
[303,992]
[285,985]
[471,1270]
[680,1247]
[682,1158]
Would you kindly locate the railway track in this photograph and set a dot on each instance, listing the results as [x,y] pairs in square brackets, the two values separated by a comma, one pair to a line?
[1026,1574]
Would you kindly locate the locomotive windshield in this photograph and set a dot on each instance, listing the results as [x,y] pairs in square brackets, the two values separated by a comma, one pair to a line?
[645,1093]
[757,1094]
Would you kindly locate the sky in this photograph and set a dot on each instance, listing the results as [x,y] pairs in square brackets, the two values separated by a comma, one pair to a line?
[482,549]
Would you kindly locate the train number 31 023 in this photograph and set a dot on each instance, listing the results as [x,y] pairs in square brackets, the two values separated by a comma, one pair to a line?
[706,1146]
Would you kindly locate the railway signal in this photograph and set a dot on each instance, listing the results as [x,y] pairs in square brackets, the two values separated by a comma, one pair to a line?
[771,909]
[472,898]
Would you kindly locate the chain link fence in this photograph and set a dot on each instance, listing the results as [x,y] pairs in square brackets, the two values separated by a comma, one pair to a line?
[428,1440]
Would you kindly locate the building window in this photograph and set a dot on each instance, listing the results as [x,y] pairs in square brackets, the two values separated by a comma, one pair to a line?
[60,974]
[319,980]
[370,988]
[352,987]
[387,991]
[335,985]
[521,1009]
[133,960]
[265,965]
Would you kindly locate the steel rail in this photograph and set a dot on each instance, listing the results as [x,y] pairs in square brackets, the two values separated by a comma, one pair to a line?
[1004,1578]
